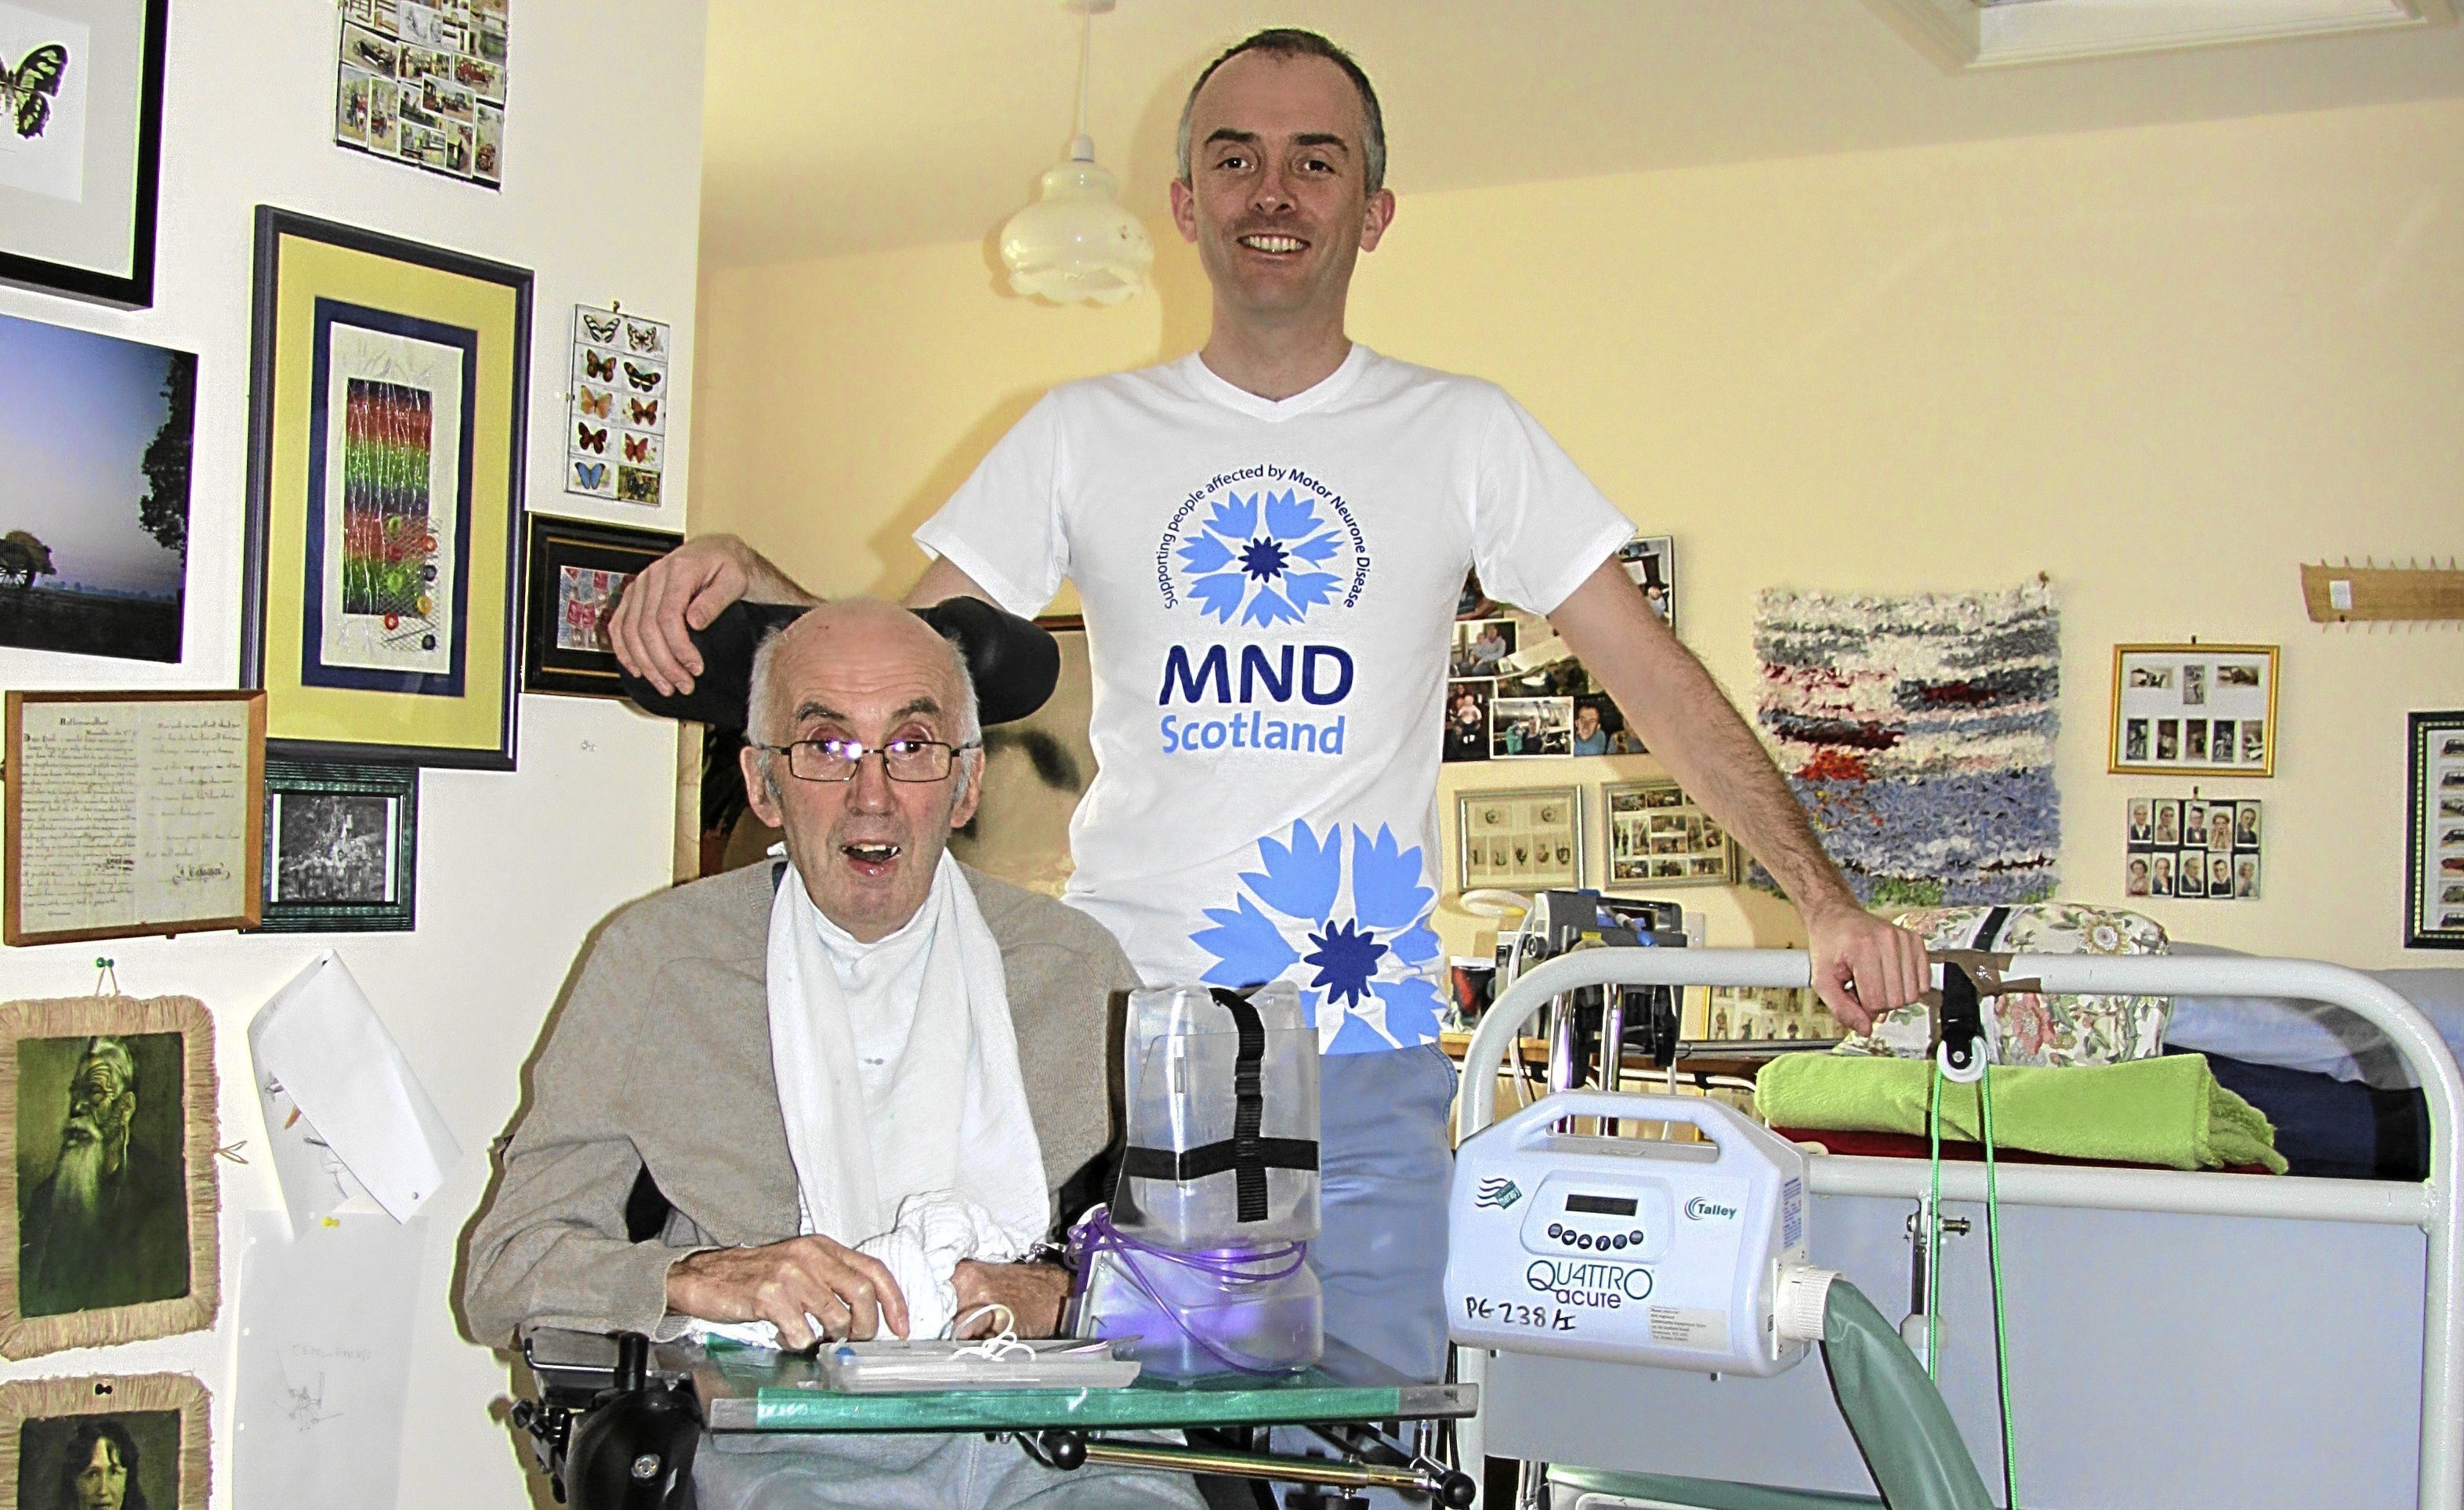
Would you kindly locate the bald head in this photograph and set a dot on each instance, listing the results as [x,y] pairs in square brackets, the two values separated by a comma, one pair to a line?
[867,632]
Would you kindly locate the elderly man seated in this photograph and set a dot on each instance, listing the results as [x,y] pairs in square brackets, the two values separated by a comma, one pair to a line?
[857,1085]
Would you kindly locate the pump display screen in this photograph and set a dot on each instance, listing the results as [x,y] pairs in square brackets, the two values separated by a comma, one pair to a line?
[1600,1205]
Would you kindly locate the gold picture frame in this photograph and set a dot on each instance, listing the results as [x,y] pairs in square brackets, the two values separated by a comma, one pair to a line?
[1526,839]
[155,1428]
[388,388]
[2174,706]
[88,1252]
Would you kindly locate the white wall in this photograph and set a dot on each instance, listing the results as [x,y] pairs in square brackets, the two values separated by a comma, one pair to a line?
[602,158]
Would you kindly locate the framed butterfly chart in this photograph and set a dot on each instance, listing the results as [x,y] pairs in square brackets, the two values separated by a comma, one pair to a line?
[616,437]
[387,389]
[80,145]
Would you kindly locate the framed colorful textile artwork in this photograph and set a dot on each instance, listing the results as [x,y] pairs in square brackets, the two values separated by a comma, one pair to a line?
[388,387]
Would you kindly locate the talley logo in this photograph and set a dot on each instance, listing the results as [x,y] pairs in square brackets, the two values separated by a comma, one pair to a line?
[1498,1192]
[1700,1210]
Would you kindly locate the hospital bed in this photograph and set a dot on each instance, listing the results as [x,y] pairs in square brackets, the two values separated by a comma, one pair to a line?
[2175,1340]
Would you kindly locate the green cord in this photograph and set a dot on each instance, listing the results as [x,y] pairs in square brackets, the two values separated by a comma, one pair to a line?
[1933,1225]
[2001,1333]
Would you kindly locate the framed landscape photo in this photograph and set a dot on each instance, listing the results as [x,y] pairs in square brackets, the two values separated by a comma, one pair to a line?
[1523,840]
[342,847]
[107,1187]
[2434,833]
[576,571]
[80,145]
[117,1440]
[388,387]
[2203,709]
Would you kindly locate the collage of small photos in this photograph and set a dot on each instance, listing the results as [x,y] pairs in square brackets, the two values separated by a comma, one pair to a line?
[424,84]
[2438,909]
[2179,707]
[1657,834]
[1515,691]
[2190,846]
[1759,1014]
[616,437]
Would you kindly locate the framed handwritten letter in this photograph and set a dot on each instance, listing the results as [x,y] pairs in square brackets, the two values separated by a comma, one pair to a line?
[132,813]
[386,398]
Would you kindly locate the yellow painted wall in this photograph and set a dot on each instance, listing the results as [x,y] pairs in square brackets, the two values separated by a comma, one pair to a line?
[2162,365]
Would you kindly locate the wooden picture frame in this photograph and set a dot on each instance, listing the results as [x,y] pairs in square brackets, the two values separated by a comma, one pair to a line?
[2434,914]
[120,845]
[134,1073]
[78,202]
[159,1428]
[342,847]
[576,570]
[2175,704]
[389,386]
[1653,835]
[1541,832]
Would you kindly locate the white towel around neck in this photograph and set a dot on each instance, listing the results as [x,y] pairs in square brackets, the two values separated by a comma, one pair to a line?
[953,1119]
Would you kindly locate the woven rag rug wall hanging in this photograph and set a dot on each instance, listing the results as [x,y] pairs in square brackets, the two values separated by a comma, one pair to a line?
[1919,733]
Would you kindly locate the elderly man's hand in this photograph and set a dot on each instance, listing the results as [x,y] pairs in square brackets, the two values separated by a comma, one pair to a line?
[851,1293]
[1862,965]
[1033,1292]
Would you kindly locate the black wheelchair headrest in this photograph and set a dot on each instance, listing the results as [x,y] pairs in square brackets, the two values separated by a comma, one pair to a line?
[1013,661]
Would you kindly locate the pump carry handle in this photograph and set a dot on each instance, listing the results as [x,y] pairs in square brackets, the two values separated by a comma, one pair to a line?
[1718,1123]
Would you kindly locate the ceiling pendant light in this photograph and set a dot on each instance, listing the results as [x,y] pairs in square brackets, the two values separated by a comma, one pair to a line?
[1076,242]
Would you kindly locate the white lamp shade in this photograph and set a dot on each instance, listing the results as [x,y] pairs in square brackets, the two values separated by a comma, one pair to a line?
[1076,242]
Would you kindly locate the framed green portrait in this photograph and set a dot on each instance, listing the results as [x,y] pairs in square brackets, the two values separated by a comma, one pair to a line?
[108,1192]
[122,1440]
[387,391]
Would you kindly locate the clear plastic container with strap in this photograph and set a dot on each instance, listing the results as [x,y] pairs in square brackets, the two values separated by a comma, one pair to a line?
[1222,1119]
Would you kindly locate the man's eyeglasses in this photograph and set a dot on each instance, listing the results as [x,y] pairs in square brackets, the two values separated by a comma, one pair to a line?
[901,759]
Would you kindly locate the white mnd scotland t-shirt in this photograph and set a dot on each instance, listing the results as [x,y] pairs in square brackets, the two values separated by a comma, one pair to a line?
[1268,587]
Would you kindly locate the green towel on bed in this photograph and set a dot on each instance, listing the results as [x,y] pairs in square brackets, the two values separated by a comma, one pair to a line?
[2167,1110]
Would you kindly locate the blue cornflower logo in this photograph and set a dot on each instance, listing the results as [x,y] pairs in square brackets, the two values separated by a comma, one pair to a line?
[1259,569]
[1371,966]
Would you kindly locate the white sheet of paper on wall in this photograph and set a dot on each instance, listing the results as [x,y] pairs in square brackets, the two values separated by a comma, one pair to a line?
[315,1183]
[322,1041]
[324,1360]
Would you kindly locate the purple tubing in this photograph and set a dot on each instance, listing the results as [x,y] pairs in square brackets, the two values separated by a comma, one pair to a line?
[1227,1266]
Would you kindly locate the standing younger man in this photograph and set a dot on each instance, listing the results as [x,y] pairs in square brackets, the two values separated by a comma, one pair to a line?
[1269,538]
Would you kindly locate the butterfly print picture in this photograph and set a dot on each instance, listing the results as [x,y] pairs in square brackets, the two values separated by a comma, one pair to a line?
[637,448]
[597,404]
[590,476]
[25,90]
[643,414]
[599,328]
[625,395]
[599,367]
[646,378]
[590,440]
[643,338]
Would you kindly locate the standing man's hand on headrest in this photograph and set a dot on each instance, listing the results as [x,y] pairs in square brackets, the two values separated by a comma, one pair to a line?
[652,630]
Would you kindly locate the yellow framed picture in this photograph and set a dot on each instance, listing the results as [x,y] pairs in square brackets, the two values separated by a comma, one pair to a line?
[388,387]
[2206,710]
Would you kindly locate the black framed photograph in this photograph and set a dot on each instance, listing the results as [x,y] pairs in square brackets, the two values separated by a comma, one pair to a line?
[578,569]
[342,847]
[80,145]
[390,383]
[2435,834]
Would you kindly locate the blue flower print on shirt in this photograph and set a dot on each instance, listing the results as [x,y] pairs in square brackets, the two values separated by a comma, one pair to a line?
[1258,568]
[1367,962]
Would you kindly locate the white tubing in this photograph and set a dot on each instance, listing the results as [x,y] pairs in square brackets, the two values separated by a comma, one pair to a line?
[2432,1205]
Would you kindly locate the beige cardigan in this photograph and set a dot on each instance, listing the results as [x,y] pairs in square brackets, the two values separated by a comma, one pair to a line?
[660,1059]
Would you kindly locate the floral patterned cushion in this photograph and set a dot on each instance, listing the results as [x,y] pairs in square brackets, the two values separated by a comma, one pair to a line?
[2031,1029]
